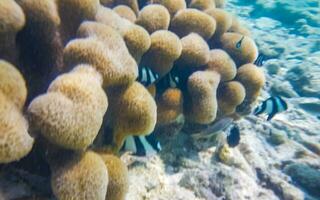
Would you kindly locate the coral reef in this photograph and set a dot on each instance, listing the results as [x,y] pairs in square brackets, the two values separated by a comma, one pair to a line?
[15,139]
[72,179]
[191,20]
[10,26]
[164,50]
[118,182]
[202,88]
[153,18]
[85,64]
[125,12]
[70,113]
[173,6]
[133,112]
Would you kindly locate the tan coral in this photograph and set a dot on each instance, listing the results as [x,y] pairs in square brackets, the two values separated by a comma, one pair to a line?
[173,6]
[201,102]
[106,52]
[222,63]
[165,49]
[238,27]
[15,142]
[195,51]
[230,95]
[169,106]
[73,12]
[12,20]
[136,38]
[154,17]
[192,20]
[253,79]
[125,12]
[202,4]
[12,84]
[118,177]
[133,4]
[70,114]
[80,176]
[133,112]
[223,19]
[242,49]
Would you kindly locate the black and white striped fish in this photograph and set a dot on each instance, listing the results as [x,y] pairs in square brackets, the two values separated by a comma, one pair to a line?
[142,145]
[271,107]
[171,81]
[233,138]
[260,60]
[147,76]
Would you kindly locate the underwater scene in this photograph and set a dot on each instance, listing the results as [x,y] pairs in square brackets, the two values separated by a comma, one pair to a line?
[159,100]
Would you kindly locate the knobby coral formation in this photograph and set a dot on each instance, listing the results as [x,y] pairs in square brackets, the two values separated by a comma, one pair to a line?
[126,66]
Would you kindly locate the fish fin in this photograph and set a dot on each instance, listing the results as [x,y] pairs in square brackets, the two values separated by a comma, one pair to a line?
[129,145]
[142,145]
[271,116]
[260,109]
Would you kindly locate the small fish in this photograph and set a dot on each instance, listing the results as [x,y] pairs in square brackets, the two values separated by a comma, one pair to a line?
[147,76]
[238,45]
[271,107]
[168,81]
[233,137]
[260,60]
[142,145]
[172,81]
[218,126]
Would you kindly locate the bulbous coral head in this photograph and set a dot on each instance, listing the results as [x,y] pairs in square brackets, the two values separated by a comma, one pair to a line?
[195,52]
[133,112]
[164,50]
[133,4]
[70,114]
[125,12]
[202,4]
[253,79]
[12,20]
[223,19]
[154,17]
[73,12]
[15,140]
[201,101]
[173,6]
[230,95]
[106,52]
[12,84]
[223,64]
[191,20]
[169,106]
[81,176]
[242,49]
[237,27]
[118,177]
[42,13]
[136,37]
